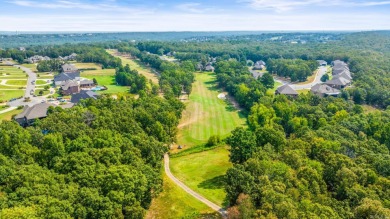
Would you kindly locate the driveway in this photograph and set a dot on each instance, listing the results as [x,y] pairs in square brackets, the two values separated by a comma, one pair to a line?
[321,72]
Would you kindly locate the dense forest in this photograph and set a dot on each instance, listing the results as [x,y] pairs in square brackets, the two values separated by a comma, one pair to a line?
[101,159]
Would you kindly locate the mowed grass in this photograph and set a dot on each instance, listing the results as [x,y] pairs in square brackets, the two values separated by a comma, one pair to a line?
[204,172]
[137,65]
[8,115]
[87,66]
[10,72]
[9,94]
[33,67]
[20,82]
[206,114]
[174,203]
[105,77]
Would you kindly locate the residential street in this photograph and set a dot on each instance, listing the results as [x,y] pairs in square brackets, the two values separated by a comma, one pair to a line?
[321,71]
[31,77]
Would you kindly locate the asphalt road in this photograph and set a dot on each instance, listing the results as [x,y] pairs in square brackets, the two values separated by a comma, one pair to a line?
[317,80]
[31,77]
[190,191]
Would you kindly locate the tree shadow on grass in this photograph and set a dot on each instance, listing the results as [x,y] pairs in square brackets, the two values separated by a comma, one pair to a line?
[217,182]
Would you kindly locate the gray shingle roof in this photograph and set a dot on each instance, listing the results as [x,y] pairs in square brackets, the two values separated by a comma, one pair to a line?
[84,94]
[340,81]
[324,89]
[286,89]
[69,68]
[35,112]
[85,82]
[68,84]
[66,76]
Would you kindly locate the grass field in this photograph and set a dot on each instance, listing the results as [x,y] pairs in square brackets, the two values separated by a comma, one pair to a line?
[8,115]
[33,67]
[87,66]
[174,203]
[105,77]
[204,172]
[20,82]
[206,114]
[137,65]
[9,94]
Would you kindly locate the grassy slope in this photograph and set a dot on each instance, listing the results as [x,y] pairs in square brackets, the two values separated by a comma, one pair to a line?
[173,202]
[205,114]
[204,172]
[8,115]
[137,65]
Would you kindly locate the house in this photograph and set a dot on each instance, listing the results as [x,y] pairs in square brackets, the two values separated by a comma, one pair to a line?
[339,82]
[64,77]
[33,113]
[286,90]
[338,63]
[339,69]
[323,90]
[84,94]
[209,67]
[344,74]
[199,67]
[68,68]
[259,65]
[322,62]
[256,74]
[86,84]
[70,87]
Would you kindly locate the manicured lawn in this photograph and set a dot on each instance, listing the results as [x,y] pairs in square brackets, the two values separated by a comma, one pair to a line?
[33,67]
[206,114]
[45,92]
[204,172]
[11,70]
[9,94]
[41,82]
[87,66]
[8,115]
[21,82]
[174,203]
[137,65]
[105,77]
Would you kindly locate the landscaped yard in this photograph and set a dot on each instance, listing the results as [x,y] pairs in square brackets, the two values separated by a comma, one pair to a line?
[33,67]
[8,115]
[206,114]
[204,172]
[10,72]
[20,82]
[9,94]
[105,77]
[174,203]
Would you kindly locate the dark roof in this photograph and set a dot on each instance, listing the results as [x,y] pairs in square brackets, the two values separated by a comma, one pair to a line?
[69,68]
[66,76]
[324,89]
[84,94]
[286,89]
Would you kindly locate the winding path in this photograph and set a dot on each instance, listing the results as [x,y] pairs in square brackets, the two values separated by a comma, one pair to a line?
[190,191]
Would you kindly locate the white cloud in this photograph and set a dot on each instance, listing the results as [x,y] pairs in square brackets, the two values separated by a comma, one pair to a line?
[286,5]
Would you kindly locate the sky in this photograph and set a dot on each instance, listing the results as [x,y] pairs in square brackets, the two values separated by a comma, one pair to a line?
[193,15]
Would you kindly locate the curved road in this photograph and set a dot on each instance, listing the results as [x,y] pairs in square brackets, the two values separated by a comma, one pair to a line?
[320,72]
[190,191]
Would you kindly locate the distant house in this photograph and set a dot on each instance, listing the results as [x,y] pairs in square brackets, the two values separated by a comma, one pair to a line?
[286,90]
[64,77]
[209,67]
[339,82]
[86,84]
[323,90]
[322,62]
[84,94]
[36,112]
[70,87]
[344,74]
[259,65]
[199,67]
[68,68]
[256,74]
[338,63]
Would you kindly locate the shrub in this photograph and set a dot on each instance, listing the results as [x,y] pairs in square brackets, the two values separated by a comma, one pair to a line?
[214,140]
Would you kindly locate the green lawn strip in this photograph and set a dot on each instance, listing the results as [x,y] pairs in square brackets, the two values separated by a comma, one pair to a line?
[81,66]
[213,116]
[9,94]
[13,87]
[45,92]
[204,172]
[8,115]
[174,203]
[20,82]
[106,78]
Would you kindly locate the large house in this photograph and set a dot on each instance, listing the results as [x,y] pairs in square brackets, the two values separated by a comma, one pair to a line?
[323,90]
[70,87]
[64,77]
[68,68]
[36,112]
[209,67]
[259,65]
[341,75]
[84,94]
[86,84]
[286,90]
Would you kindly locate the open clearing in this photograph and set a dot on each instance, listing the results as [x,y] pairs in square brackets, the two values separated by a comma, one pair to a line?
[206,114]
[137,65]
[82,66]
[9,94]
[203,172]
[174,202]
